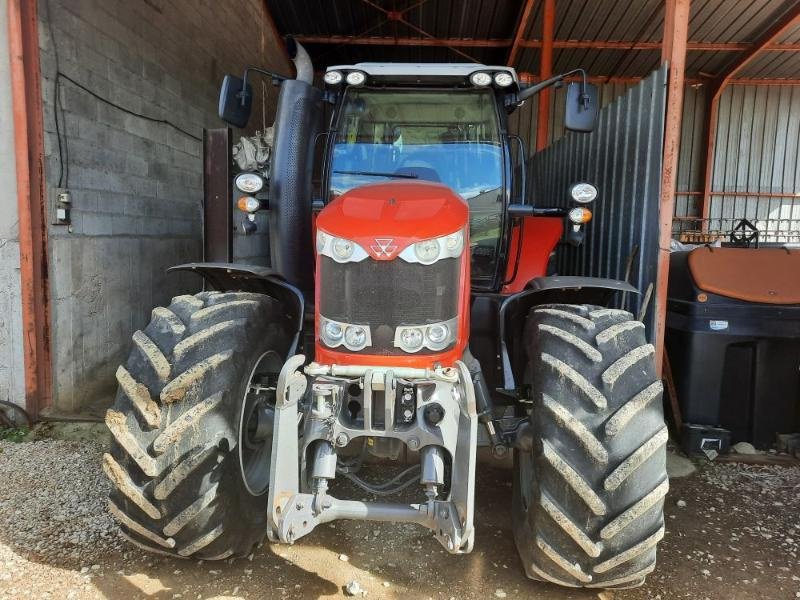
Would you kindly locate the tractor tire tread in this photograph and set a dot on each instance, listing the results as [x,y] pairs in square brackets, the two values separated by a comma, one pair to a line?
[174,464]
[588,498]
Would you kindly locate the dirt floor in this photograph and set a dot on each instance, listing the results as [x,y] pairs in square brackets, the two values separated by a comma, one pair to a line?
[733,532]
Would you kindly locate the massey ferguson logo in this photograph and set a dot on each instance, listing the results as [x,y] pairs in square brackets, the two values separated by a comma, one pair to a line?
[383,247]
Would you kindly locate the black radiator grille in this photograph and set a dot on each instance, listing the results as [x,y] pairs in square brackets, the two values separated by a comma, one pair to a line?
[385,294]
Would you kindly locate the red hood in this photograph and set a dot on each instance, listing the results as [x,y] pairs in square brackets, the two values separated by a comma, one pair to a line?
[402,212]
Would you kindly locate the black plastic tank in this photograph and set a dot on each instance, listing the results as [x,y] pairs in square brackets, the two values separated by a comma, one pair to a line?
[733,340]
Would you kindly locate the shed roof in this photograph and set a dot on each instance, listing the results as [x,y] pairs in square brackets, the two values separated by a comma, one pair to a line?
[608,38]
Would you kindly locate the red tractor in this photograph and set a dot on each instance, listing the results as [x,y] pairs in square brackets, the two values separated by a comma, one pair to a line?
[407,315]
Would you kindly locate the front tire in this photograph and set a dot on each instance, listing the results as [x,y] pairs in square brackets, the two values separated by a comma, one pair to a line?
[588,496]
[174,462]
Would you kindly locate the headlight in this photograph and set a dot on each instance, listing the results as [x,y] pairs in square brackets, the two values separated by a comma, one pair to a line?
[249,183]
[503,78]
[428,252]
[411,339]
[352,337]
[583,192]
[343,249]
[438,333]
[355,78]
[436,336]
[355,337]
[339,249]
[333,331]
[332,77]
[480,79]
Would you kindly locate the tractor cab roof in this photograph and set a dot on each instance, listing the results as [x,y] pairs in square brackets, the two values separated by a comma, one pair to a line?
[433,74]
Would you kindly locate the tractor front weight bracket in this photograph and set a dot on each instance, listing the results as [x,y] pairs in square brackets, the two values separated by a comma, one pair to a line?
[324,410]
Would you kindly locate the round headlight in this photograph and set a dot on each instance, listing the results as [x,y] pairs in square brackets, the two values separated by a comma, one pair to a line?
[480,78]
[438,333]
[332,333]
[249,183]
[503,79]
[322,239]
[355,78]
[579,215]
[454,243]
[427,251]
[355,337]
[343,249]
[332,77]
[411,338]
[583,192]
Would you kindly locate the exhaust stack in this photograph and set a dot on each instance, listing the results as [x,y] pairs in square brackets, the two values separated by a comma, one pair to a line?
[297,121]
[301,60]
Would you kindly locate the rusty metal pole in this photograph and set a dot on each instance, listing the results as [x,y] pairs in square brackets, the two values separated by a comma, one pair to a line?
[545,72]
[676,27]
[26,94]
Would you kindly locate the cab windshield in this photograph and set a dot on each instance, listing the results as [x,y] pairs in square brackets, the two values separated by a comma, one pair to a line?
[447,136]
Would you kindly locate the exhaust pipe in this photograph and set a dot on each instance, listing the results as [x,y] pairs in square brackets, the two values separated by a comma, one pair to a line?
[298,119]
[301,60]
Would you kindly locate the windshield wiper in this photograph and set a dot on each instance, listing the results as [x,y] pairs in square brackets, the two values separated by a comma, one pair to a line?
[379,174]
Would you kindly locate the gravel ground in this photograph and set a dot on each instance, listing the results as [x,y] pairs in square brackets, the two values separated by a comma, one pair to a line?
[733,532]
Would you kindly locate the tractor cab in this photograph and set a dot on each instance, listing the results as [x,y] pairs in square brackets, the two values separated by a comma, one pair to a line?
[426,123]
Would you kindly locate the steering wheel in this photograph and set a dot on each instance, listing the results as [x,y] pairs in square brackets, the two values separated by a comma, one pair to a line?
[743,234]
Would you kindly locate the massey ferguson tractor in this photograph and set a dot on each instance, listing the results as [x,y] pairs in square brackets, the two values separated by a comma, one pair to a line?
[407,316]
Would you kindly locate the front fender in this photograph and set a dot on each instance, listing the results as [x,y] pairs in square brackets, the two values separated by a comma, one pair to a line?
[230,277]
[556,289]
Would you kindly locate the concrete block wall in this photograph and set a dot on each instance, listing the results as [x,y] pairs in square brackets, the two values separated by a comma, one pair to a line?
[136,183]
[12,381]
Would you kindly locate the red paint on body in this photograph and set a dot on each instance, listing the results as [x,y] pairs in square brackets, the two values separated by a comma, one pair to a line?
[539,237]
[401,213]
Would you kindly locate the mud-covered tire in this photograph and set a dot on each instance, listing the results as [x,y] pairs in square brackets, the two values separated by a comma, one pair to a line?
[589,495]
[174,462]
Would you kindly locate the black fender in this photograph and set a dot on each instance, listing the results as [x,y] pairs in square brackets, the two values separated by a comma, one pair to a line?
[547,290]
[231,277]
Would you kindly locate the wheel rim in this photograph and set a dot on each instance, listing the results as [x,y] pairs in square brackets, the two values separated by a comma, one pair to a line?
[255,423]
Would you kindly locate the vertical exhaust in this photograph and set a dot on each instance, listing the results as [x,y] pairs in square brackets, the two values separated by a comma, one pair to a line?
[297,121]
[301,60]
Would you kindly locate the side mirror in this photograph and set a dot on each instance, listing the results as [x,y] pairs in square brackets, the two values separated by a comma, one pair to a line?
[235,103]
[580,113]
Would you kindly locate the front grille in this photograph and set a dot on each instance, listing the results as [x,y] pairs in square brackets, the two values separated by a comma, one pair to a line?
[386,294]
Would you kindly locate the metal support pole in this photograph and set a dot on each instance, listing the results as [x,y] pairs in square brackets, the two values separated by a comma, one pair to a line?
[676,27]
[26,95]
[545,72]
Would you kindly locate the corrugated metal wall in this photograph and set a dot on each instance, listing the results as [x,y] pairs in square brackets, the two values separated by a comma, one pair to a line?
[756,164]
[756,173]
[623,158]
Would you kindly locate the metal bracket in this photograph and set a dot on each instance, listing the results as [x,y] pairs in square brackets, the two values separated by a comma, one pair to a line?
[293,514]
[284,474]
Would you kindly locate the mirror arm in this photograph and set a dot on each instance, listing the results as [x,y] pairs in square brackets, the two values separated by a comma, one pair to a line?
[275,79]
[536,88]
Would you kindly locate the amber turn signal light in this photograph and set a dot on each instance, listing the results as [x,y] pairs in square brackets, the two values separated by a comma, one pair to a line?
[580,215]
[248,204]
